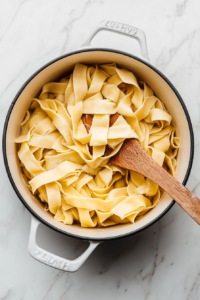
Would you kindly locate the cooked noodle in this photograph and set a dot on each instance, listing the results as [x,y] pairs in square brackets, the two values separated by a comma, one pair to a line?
[79,184]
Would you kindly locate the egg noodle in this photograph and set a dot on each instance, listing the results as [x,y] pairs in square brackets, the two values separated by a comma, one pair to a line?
[54,146]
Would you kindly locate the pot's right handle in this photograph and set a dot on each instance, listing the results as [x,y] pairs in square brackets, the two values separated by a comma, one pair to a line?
[124,29]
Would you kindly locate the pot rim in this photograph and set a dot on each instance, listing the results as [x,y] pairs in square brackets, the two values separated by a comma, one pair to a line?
[6,160]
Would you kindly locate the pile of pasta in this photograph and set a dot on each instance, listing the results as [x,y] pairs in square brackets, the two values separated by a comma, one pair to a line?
[54,146]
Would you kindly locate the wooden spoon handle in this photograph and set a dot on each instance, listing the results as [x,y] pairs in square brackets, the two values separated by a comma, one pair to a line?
[186,199]
[139,161]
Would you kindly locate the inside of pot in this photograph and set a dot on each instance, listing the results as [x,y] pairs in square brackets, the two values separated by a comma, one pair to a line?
[62,68]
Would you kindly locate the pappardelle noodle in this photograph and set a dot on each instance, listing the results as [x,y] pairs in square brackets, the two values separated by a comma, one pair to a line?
[80,186]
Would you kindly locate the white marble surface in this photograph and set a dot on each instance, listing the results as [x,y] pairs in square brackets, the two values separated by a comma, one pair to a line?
[163,261]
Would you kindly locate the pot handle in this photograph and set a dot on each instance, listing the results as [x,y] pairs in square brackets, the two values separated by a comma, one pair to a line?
[51,259]
[124,29]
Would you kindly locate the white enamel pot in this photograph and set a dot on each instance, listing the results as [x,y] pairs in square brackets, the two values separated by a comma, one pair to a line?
[61,67]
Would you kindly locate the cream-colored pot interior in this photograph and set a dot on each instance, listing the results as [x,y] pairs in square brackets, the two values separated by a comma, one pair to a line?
[63,67]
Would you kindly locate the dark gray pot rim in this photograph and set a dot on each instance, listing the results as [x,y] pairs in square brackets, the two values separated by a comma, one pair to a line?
[15,187]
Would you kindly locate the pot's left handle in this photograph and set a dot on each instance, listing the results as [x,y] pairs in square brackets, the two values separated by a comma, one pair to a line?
[51,259]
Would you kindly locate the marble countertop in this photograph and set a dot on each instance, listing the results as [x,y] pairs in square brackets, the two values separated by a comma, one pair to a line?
[161,262]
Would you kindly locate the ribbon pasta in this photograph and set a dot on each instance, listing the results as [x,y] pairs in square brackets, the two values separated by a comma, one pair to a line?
[80,186]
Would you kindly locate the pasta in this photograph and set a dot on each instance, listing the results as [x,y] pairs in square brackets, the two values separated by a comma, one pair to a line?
[66,164]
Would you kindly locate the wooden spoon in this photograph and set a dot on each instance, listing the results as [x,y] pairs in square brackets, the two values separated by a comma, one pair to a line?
[133,157]
[87,121]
